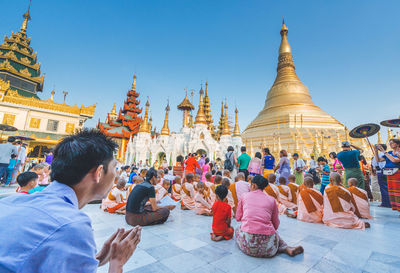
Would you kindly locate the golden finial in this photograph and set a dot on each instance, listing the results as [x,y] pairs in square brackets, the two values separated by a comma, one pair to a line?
[134,82]
[285,47]
[26,17]
[201,117]
[284,29]
[144,125]
[114,110]
[379,138]
[52,95]
[165,128]
[225,127]
[236,131]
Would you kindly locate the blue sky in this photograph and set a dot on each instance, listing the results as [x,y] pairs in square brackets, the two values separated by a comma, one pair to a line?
[345,52]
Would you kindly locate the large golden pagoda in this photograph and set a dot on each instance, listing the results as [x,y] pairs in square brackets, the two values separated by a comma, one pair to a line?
[290,120]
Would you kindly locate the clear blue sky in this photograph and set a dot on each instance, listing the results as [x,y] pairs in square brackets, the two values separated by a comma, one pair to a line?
[345,52]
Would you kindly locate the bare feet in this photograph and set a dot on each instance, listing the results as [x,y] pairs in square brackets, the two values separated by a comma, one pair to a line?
[170,207]
[216,238]
[291,215]
[183,207]
[367,225]
[293,251]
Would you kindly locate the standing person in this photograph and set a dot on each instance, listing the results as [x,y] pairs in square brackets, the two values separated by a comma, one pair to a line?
[298,168]
[51,219]
[6,150]
[336,165]
[21,157]
[392,171]
[325,171]
[191,164]
[243,162]
[378,167]
[313,165]
[205,169]
[257,233]
[137,212]
[350,161]
[255,165]
[366,172]
[283,166]
[268,163]
[49,157]
[230,160]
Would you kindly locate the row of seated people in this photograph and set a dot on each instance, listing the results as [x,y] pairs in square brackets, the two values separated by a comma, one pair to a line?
[338,207]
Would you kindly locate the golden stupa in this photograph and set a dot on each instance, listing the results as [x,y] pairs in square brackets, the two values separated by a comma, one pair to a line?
[290,120]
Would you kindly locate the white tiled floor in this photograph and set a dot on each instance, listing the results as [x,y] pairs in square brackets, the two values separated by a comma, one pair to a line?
[183,244]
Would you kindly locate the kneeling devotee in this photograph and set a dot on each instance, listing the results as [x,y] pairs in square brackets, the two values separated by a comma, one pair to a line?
[163,197]
[340,209]
[137,212]
[221,224]
[202,199]
[258,213]
[187,193]
[114,202]
[360,197]
[310,202]
[47,232]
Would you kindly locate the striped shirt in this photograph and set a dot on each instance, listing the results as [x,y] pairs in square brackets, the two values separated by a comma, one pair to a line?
[325,177]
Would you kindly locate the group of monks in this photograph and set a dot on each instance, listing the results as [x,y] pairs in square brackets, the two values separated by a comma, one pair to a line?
[338,207]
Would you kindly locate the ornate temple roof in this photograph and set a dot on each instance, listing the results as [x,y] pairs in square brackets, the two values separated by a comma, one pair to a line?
[18,59]
[185,104]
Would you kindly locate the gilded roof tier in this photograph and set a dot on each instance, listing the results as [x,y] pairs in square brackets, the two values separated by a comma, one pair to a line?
[185,104]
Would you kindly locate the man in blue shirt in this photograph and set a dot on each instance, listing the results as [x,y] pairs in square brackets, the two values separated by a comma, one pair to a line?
[350,162]
[46,231]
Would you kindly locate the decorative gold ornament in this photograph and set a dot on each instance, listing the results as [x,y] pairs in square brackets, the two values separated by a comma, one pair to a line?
[34,123]
[9,119]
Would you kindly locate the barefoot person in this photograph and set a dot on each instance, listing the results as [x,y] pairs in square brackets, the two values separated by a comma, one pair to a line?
[221,224]
[137,212]
[115,202]
[311,203]
[340,209]
[360,197]
[51,234]
[258,213]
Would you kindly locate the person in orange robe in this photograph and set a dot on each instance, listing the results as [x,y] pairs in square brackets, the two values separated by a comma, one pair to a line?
[176,188]
[187,193]
[361,198]
[136,180]
[294,188]
[310,203]
[273,191]
[285,194]
[340,209]
[191,165]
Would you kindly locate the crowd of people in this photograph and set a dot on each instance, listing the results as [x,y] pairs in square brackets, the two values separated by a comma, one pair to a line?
[252,190]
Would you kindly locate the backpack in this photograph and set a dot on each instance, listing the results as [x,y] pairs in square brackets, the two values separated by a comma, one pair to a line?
[228,163]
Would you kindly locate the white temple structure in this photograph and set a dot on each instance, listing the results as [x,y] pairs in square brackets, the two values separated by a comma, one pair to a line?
[199,137]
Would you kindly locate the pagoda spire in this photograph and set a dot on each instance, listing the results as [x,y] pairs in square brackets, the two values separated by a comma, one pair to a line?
[144,125]
[26,17]
[207,109]
[200,117]
[114,110]
[379,138]
[134,82]
[225,128]
[236,131]
[165,128]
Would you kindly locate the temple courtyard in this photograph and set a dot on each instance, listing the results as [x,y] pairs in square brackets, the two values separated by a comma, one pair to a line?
[183,244]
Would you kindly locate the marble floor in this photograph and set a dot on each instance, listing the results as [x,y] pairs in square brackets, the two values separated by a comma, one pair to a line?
[183,244]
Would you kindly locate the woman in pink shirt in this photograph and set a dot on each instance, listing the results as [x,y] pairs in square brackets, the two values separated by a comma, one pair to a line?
[255,165]
[257,235]
[205,169]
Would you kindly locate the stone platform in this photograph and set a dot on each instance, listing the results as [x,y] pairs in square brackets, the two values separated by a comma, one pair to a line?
[183,244]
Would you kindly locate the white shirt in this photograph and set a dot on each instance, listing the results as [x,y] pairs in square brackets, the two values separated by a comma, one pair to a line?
[6,150]
[22,155]
[381,164]
[299,163]
[313,164]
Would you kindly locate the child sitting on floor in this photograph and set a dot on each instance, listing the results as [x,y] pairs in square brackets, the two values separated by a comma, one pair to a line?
[114,202]
[221,225]
[26,181]
[163,197]
[249,178]
[203,201]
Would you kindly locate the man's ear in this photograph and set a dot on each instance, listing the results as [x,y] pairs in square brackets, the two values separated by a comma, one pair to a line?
[98,173]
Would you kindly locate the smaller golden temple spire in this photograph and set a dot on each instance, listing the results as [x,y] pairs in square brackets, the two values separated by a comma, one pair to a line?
[114,110]
[26,17]
[379,138]
[225,127]
[134,82]
[165,128]
[144,125]
[236,131]
[150,125]
[201,117]
[52,95]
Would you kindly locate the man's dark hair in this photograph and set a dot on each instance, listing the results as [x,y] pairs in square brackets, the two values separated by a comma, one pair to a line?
[11,139]
[79,153]
[150,174]
[166,171]
[221,191]
[230,149]
[189,177]
[243,149]
[322,159]
[24,178]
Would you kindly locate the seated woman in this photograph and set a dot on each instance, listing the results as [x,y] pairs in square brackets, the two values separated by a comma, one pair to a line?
[258,213]
[137,212]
